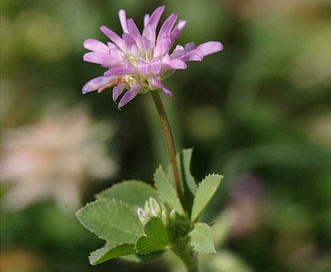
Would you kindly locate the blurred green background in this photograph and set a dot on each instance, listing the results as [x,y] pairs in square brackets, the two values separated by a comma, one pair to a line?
[259,113]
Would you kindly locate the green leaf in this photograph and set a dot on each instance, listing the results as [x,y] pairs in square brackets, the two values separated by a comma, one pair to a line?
[184,161]
[155,238]
[133,192]
[206,190]
[110,251]
[166,191]
[111,220]
[138,258]
[202,239]
[188,183]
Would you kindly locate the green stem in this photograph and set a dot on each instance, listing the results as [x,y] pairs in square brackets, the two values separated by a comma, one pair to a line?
[194,264]
[169,141]
[184,251]
[191,263]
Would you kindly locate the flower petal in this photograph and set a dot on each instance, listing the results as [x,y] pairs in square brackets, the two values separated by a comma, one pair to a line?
[147,44]
[125,69]
[156,83]
[134,31]
[149,67]
[122,16]
[178,52]
[167,26]
[173,64]
[95,46]
[193,55]
[210,47]
[150,28]
[189,46]
[117,90]
[177,30]
[129,95]
[146,19]
[103,59]
[162,47]
[96,83]
[155,16]
[189,52]
[113,37]
[131,44]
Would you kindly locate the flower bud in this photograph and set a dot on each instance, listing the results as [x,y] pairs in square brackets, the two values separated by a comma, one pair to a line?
[142,216]
[153,208]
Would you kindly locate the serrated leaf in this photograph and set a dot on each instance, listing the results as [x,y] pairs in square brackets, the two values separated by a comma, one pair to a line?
[155,238]
[111,220]
[110,252]
[133,192]
[184,161]
[166,191]
[202,239]
[206,190]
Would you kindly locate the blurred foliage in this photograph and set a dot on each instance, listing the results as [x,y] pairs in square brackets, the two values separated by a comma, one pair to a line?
[260,110]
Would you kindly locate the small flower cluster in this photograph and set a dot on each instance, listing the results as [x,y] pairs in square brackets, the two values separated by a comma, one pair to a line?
[39,162]
[137,62]
[154,209]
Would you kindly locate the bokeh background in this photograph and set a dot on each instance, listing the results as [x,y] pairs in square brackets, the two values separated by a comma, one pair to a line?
[259,113]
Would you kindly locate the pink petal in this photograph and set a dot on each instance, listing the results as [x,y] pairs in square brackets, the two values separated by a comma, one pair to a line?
[96,46]
[156,83]
[189,46]
[117,55]
[162,47]
[147,44]
[96,83]
[113,37]
[155,17]
[130,43]
[178,52]
[121,70]
[103,59]
[134,31]
[111,45]
[177,30]
[129,95]
[152,67]
[122,16]
[117,90]
[210,47]
[150,28]
[146,19]
[194,55]
[167,26]
[173,64]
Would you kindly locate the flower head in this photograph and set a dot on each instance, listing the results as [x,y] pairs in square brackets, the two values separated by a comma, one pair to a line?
[47,160]
[138,62]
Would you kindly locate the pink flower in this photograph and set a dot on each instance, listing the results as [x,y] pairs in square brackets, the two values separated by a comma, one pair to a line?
[54,158]
[138,62]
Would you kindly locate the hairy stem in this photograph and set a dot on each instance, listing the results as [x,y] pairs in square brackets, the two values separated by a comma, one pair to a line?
[169,140]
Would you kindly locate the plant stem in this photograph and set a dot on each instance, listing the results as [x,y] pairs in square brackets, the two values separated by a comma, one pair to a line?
[169,140]
[184,251]
[194,264]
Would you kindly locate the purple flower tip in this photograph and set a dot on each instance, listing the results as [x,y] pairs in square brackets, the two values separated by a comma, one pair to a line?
[137,61]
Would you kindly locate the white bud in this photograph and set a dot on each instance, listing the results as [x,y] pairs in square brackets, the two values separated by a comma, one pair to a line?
[142,215]
[172,215]
[164,217]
